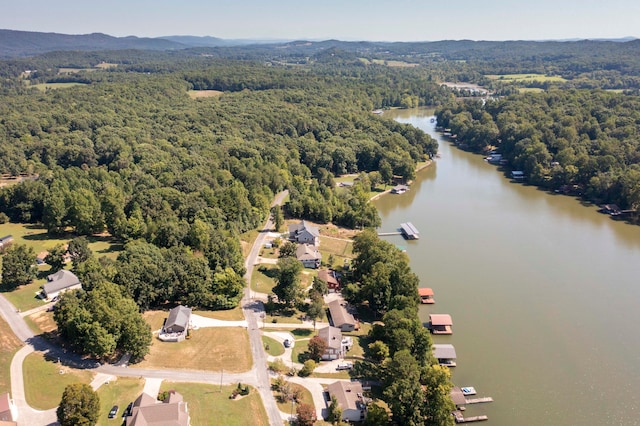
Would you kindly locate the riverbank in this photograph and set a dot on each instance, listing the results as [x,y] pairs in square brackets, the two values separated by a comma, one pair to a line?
[420,166]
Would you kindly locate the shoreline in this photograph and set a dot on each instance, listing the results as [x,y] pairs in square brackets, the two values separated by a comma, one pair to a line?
[418,169]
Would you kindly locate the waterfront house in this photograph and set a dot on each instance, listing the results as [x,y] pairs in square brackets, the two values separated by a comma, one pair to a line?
[440,323]
[340,316]
[329,276]
[303,233]
[445,354]
[60,282]
[350,400]
[147,411]
[309,255]
[337,345]
[426,295]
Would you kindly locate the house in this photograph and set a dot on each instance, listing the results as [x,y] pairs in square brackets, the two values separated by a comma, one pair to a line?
[309,256]
[445,354]
[330,278]
[60,282]
[426,296]
[146,411]
[5,242]
[440,323]
[340,317]
[350,400]
[337,345]
[176,326]
[303,233]
[8,411]
[399,189]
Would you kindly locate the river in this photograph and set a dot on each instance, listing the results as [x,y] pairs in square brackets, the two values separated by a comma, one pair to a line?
[544,292]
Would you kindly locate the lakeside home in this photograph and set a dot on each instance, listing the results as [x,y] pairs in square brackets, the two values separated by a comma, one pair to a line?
[399,189]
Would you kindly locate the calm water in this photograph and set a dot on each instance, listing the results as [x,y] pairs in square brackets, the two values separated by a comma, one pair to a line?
[544,292]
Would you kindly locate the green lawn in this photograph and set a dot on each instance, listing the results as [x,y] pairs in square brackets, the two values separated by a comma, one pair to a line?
[299,348]
[25,297]
[272,346]
[526,77]
[209,405]
[44,381]
[262,278]
[234,314]
[119,392]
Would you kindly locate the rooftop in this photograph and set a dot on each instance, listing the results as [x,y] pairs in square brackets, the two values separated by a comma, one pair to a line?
[348,394]
[440,319]
[339,313]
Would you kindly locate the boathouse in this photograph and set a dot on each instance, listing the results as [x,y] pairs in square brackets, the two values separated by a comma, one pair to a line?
[440,323]
[426,296]
[409,231]
[400,189]
[517,175]
[445,354]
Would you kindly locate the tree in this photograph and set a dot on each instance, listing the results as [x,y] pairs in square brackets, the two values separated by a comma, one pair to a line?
[403,392]
[18,266]
[305,415]
[334,412]
[288,249]
[316,310]
[288,280]
[377,415]
[307,368]
[438,405]
[378,351]
[320,286]
[79,406]
[55,258]
[79,250]
[317,346]
[278,218]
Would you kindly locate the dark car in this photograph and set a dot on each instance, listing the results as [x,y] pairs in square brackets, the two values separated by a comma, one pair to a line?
[287,343]
[127,411]
[113,412]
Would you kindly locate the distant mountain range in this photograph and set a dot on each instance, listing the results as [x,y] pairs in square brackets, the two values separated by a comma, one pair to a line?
[15,44]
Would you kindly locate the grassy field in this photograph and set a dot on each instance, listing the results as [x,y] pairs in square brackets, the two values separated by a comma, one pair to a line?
[119,392]
[526,77]
[305,396]
[9,345]
[213,348]
[44,86]
[262,278]
[209,405]
[41,322]
[530,90]
[234,314]
[340,249]
[25,297]
[195,94]
[246,241]
[275,348]
[299,348]
[44,383]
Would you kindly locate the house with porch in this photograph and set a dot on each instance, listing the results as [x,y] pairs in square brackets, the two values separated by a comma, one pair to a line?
[309,255]
[350,398]
[177,324]
[303,233]
[337,345]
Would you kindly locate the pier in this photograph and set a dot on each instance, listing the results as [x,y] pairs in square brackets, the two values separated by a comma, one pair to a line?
[461,419]
[478,400]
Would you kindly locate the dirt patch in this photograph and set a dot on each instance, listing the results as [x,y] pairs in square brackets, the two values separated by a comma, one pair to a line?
[8,341]
[44,321]
[194,94]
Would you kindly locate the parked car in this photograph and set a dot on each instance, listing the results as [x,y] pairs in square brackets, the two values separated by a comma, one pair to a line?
[345,366]
[113,412]
[127,411]
[287,343]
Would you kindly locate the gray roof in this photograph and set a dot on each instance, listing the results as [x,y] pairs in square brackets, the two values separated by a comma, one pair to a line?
[444,351]
[147,411]
[180,315]
[61,280]
[348,394]
[304,226]
[307,252]
[331,335]
[339,313]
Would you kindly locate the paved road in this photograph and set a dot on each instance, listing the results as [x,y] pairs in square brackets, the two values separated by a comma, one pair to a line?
[253,311]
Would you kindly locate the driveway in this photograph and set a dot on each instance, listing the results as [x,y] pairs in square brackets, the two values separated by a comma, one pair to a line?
[202,322]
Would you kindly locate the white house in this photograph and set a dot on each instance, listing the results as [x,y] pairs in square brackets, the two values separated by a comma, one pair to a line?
[350,400]
[60,282]
[303,233]
[337,345]
[309,255]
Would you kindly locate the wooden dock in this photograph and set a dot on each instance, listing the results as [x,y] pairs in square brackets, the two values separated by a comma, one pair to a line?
[479,400]
[461,419]
[384,234]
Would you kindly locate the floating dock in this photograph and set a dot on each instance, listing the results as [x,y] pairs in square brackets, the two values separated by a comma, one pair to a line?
[461,419]
[479,400]
[409,231]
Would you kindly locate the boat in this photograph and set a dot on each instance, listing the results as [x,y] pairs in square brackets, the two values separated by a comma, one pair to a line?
[468,390]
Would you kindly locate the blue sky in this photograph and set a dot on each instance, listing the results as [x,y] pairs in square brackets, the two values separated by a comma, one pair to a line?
[398,20]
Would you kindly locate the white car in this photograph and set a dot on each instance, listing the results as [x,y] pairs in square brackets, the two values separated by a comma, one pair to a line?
[345,366]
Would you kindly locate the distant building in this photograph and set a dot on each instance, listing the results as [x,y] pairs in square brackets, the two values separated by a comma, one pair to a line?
[399,189]
[146,411]
[60,282]
[350,400]
[303,233]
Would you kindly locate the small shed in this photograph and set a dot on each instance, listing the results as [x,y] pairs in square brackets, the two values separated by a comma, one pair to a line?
[440,323]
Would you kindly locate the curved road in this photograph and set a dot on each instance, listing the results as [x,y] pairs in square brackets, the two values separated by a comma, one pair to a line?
[257,376]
